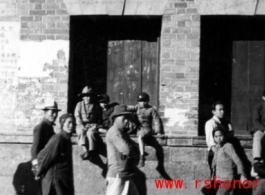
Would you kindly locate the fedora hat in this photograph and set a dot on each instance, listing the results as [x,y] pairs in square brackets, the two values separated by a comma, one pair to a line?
[50,104]
[87,91]
[103,98]
[118,111]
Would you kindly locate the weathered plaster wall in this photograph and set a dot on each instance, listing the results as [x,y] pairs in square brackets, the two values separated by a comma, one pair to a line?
[38,67]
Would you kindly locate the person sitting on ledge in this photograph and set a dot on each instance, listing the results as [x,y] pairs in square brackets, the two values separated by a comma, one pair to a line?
[146,115]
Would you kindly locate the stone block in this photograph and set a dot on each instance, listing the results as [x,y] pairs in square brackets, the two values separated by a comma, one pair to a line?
[37,37]
[193,36]
[37,24]
[180,75]
[27,18]
[180,170]
[180,43]
[62,37]
[51,6]
[62,12]
[38,6]
[50,25]
[51,37]
[180,5]
[37,12]
[202,171]
[51,18]
[25,6]
[184,154]
[192,11]
[179,141]
[50,12]
[37,18]
[63,25]
[37,1]
[169,36]
[55,31]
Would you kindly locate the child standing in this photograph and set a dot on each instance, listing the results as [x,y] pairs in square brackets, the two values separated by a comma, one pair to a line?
[147,115]
[224,160]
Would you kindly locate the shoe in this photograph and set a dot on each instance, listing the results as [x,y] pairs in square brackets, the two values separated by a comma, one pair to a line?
[85,156]
[141,162]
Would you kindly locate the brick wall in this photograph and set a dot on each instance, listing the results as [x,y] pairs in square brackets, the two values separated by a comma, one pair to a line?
[180,49]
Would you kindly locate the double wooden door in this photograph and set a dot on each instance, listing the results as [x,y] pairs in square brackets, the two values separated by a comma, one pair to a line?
[133,67]
[248,82]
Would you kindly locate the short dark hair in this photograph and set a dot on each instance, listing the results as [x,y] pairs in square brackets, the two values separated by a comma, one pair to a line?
[216,103]
[218,128]
[263,93]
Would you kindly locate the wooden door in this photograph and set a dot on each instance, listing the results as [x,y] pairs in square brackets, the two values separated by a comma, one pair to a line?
[247,82]
[132,68]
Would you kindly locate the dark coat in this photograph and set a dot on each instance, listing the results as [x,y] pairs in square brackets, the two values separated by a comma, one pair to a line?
[106,122]
[42,133]
[55,165]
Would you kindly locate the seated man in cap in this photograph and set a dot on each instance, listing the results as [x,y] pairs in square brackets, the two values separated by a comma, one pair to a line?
[146,115]
[88,116]
[43,131]
[107,110]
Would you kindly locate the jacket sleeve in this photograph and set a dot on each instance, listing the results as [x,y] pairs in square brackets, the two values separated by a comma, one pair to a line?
[48,155]
[37,135]
[208,134]
[230,151]
[78,114]
[257,120]
[156,120]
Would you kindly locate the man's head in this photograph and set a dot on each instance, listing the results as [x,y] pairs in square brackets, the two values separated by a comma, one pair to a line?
[218,109]
[120,117]
[143,99]
[50,110]
[87,95]
[103,100]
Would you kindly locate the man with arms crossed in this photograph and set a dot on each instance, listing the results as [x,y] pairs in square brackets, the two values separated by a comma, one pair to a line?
[120,155]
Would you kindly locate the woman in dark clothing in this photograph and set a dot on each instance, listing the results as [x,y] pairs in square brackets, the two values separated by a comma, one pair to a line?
[55,161]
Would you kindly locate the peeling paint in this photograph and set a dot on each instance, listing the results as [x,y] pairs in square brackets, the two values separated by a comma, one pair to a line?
[175,117]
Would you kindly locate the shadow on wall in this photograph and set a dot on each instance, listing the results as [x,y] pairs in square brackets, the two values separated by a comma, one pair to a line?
[23,180]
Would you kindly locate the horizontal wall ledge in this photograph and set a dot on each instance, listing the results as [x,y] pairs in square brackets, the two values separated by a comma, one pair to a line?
[169,140]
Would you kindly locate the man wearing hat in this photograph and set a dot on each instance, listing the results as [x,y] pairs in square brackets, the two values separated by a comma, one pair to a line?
[146,115]
[44,130]
[88,116]
[120,155]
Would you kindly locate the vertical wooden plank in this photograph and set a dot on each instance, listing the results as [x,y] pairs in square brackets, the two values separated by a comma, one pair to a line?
[240,82]
[150,70]
[132,68]
[115,71]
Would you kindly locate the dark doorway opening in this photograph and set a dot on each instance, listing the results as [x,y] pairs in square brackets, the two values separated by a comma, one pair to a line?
[90,40]
[218,33]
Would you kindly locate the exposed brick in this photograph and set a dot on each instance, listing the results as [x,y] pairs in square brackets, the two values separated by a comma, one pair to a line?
[181,24]
[61,87]
[166,30]
[169,11]
[37,31]
[26,31]
[22,1]
[181,30]
[23,12]
[196,17]
[51,1]
[47,87]
[38,6]
[166,42]
[25,6]
[169,62]
[180,75]
[166,55]
[192,11]
[191,88]
[50,12]
[181,11]
[192,63]
[169,36]
[37,1]
[168,49]
[180,5]
[182,17]
[193,49]
[51,18]
[37,18]
[37,37]
[63,94]
[52,6]
[194,82]
[65,18]
[37,24]
[62,37]
[179,62]
[24,25]
[193,74]
[27,18]
[23,37]
[193,36]
[195,43]
[193,24]
[195,56]
[62,12]
[166,18]
[168,75]
[181,37]
[180,69]
[166,69]
[50,24]
[180,43]
[63,25]
[62,6]
[37,12]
